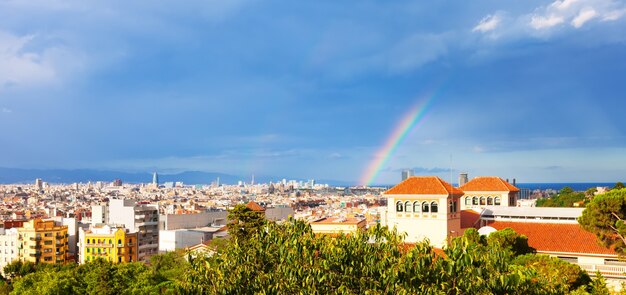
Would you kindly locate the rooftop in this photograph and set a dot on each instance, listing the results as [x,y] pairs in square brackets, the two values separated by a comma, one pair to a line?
[489,184]
[423,185]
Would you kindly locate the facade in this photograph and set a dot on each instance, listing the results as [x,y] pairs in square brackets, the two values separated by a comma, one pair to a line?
[484,191]
[43,241]
[8,247]
[140,218]
[425,207]
[338,225]
[111,243]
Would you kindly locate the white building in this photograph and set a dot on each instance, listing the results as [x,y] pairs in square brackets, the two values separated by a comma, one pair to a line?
[8,247]
[484,191]
[140,218]
[425,207]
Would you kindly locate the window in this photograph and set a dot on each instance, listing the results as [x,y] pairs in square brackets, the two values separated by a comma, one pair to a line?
[468,200]
[399,206]
[489,201]
[433,207]
[407,206]
[497,201]
[417,206]
[87,241]
[482,201]
[475,201]
[454,204]
[450,207]
[425,207]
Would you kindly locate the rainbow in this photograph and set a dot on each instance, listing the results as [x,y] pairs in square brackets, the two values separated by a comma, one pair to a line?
[414,116]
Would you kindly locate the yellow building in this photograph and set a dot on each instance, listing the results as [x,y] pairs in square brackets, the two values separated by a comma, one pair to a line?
[43,241]
[338,225]
[111,243]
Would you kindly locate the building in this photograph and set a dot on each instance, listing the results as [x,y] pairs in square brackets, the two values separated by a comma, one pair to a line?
[488,191]
[463,179]
[155,179]
[425,207]
[43,241]
[111,243]
[406,173]
[338,225]
[8,247]
[140,218]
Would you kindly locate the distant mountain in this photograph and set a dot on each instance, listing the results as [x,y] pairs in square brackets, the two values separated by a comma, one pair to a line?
[15,175]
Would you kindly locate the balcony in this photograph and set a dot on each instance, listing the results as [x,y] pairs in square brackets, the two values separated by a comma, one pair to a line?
[613,271]
[101,245]
[35,238]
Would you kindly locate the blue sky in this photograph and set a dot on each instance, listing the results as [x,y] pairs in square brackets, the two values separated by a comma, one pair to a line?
[533,90]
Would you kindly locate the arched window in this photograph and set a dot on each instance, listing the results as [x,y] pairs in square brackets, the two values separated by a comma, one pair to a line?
[450,207]
[87,241]
[399,207]
[489,200]
[425,207]
[475,201]
[468,200]
[119,242]
[483,201]
[455,206]
[407,206]
[417,206]
[497,201]
[433,207]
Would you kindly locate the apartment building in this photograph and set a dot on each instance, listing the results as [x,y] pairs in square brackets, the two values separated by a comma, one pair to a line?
[43,241]
[111,243]
[141,218]
[8,247]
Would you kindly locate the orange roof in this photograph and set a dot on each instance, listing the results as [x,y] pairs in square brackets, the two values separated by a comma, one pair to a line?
[423,185]
[556,237]
[489,184]
[469,218]
[254,206]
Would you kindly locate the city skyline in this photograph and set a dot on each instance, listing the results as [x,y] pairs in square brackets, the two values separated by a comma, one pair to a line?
[529,90]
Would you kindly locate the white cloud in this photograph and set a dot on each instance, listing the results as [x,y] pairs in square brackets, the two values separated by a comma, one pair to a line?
[6,110]
[488,23]
[19,65]
[614,15]
[584,16]
[562,5]
[541,22]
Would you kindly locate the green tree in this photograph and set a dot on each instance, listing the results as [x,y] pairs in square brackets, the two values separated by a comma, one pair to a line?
[619,185]
[244,222]
[560,272]
[510,240]
[604,216]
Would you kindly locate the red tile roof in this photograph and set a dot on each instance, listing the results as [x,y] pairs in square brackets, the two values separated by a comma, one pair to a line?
[554,237]
[489,184]
[469,218]
[254,206]
[423,185]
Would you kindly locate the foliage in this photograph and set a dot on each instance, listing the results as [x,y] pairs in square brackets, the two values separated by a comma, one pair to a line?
[102,277]
[510,240]
[619,185]
[565,198]
[244,222]
[560,272]
[604,217]
[289,259]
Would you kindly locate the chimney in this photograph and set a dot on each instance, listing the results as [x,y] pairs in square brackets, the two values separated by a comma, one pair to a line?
[513,181]
[507,180]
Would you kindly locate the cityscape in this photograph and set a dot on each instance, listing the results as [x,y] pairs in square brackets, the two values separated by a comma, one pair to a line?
[268,147]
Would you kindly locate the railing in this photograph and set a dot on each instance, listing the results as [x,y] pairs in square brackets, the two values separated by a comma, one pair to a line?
[606,270]
[102,245]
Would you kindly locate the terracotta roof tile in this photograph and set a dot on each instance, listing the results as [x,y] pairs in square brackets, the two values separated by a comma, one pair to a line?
[489,184]
[254,206]
[555,237]
[423,185]
[469,218]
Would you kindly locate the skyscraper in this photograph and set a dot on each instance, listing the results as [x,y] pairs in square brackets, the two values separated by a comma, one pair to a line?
[463,179]
[155,178]
[406,173]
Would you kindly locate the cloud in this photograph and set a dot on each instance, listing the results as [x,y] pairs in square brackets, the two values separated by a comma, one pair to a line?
[562,5]
[422,170]
[6,110]
[21,66]
[614,15]
[542,22]
[583,16]
[488,23]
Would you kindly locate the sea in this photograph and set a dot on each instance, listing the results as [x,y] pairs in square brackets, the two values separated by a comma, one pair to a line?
[576,186]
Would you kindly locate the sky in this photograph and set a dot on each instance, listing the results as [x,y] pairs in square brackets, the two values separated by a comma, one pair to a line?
[532,90]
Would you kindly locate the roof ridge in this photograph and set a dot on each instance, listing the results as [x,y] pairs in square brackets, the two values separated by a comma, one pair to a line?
[443,185]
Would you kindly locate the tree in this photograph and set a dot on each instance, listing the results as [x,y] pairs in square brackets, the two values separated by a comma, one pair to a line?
[560,272]
[618,185]
[244,222]
[590,192]
[510,240]
[604,216]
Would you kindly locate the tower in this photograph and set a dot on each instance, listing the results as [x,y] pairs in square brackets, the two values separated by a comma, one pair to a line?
[406,173]
[463,179]
[425,207]
[155,178]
